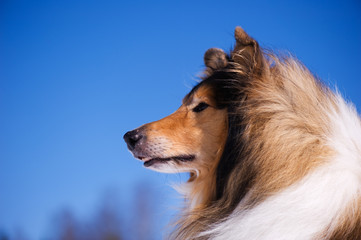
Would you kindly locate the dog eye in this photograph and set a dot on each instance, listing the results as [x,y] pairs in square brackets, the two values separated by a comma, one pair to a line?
[200,107]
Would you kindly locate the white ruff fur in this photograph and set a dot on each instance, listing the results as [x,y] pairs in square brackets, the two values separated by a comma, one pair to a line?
[305,209]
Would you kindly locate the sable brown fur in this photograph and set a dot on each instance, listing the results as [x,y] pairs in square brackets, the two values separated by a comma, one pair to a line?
[266,127]
[277,132]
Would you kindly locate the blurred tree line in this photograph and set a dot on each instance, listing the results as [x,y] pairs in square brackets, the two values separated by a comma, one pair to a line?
[108,222]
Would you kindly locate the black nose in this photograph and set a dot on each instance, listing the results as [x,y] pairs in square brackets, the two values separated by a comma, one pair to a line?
[132,137]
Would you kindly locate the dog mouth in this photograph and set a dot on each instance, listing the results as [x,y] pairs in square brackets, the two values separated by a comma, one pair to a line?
[151,161]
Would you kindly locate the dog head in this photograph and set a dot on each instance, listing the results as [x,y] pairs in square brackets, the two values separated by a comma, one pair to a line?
[193,138]
[186,140]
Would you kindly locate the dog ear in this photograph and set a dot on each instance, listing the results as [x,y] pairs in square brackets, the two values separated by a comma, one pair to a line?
[215,59]
[247,52]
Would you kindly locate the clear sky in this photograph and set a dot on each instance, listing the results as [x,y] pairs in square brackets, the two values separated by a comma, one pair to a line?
[76,75]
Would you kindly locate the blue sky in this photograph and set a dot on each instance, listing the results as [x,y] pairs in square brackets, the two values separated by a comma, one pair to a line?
[76,75]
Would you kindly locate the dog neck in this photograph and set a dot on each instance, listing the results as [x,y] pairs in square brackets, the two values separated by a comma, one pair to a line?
[200,189]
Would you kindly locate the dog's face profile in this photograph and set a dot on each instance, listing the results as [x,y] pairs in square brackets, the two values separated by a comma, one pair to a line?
[189,140]
[192,139]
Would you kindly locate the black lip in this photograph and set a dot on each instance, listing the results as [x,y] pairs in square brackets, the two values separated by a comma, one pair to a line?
[183,158]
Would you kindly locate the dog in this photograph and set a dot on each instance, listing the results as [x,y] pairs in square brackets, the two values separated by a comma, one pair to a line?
[272,153]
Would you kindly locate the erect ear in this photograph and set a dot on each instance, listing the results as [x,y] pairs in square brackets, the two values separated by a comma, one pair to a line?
[215,59]
[247,52]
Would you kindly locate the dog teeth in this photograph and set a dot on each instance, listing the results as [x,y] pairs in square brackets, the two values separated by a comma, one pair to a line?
[141,158]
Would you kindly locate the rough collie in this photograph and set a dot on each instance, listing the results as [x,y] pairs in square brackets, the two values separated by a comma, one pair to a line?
[272,152]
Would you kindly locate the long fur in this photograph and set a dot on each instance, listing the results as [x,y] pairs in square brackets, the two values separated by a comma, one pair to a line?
[291,166]
[272,152]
